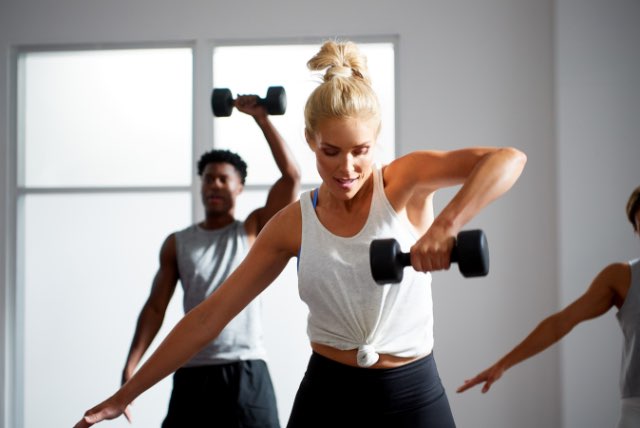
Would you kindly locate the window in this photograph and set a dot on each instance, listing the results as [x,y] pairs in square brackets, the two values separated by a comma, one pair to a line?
[105,174]
[107,118]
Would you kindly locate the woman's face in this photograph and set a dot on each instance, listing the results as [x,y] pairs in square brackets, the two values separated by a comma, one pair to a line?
[344,153]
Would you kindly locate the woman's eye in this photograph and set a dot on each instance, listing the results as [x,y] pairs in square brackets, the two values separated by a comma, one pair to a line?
[361,151]
[330,152]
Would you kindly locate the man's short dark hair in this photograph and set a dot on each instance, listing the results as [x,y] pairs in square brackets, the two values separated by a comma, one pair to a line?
[223,156]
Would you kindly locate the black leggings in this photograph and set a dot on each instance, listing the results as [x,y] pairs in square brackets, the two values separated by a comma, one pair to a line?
[336,395]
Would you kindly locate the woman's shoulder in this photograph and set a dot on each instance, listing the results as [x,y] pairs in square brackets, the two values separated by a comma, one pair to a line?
[616,276]
[287,218]
[293,209]
[284,229]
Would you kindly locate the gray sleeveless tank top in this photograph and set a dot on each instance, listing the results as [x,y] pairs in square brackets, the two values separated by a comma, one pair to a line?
[205,259]
[629,319]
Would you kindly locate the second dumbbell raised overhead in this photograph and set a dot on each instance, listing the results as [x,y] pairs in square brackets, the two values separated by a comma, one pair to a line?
[222,101]
[471,252]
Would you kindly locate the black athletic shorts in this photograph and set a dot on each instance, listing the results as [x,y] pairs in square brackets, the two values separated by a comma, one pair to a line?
[334,395]
[234,395]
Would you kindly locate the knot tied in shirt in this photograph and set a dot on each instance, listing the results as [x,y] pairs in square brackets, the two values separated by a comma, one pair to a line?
[367,356]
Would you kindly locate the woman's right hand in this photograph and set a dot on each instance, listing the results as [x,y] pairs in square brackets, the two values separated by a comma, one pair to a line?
[108,409]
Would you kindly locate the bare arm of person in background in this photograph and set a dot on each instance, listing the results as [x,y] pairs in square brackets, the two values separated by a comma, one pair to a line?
[285,190]
[608,289]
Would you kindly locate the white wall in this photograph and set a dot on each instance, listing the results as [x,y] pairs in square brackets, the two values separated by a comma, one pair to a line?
[598,147]
[469,72]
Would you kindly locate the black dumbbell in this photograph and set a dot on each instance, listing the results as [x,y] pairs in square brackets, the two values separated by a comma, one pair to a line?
[471,252]
[222,101]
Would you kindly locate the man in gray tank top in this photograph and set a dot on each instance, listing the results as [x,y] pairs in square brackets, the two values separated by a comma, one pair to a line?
[228,383]
[617,285]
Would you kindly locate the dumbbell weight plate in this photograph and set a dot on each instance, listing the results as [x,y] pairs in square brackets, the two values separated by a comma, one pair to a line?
[387,261]
[276,100]
[472,253]
[221,102]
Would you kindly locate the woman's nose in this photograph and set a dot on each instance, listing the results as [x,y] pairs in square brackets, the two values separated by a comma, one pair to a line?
[346,163]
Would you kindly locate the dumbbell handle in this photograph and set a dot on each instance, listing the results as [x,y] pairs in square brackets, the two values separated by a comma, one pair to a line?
[259,101]
[405,258]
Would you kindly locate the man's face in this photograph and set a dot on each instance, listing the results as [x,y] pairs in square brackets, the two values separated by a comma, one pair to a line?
[220,186]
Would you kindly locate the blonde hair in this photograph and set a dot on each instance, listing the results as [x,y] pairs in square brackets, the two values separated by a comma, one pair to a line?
[345,91]
[633,205]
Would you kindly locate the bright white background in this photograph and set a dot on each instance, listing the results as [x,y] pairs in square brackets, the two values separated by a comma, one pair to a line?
[76,111]
[558,79]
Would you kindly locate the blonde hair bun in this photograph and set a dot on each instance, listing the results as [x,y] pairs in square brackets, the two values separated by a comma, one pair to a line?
[340,59]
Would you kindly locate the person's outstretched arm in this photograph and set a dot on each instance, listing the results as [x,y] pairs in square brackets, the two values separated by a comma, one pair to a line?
[267,258]
[608,289]
[154,310]
[286,189]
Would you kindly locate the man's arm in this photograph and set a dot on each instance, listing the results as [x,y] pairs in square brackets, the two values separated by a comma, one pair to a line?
[153,312]
[285,190]
[608,289]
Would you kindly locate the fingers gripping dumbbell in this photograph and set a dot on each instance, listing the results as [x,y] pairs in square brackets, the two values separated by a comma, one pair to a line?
[471,252]
[222,101]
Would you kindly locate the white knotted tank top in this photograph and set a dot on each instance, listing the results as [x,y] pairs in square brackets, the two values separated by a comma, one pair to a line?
[347,308]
